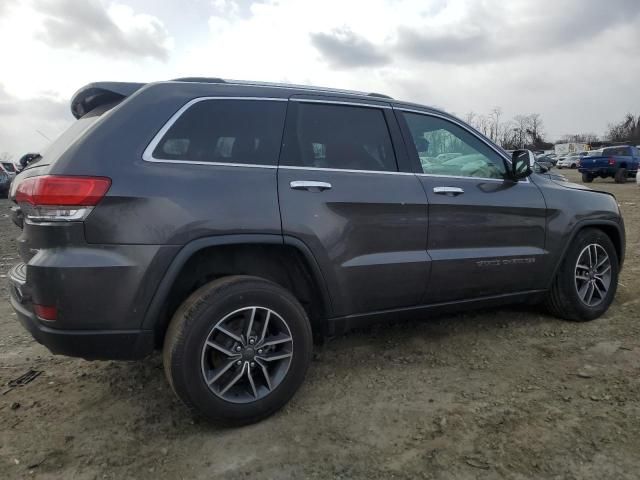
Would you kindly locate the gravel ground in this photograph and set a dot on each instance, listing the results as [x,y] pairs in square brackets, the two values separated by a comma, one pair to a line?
[510,393]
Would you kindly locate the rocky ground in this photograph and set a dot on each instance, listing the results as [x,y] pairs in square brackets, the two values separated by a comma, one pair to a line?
[510,393]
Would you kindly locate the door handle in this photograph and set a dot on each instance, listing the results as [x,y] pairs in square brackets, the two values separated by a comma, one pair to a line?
[448,190]
[310,185]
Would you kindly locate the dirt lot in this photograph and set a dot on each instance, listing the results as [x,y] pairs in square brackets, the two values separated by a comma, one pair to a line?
[511,393]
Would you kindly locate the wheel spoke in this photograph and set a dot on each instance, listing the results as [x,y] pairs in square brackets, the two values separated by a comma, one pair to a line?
[582,277]
[595,255]
[274,357]
[590,290]
[583,291]
[251,318]
[601,291]
[590,259]
[222,349]
[229,333]
[265,326]
[276,340]
[234,380]
[253,385]
[604,270]
[217,374]
[584,267]
[602,262]
[265,373]
[602,284]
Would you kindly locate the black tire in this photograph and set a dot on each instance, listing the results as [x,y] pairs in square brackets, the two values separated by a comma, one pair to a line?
[621,175]
[563,299]
[190,327]
[573,166]
[586,178]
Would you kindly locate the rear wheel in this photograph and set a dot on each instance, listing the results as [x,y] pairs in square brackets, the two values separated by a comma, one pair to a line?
[587,279]
[621,175]
[586,178]
[573,165]
[238,349]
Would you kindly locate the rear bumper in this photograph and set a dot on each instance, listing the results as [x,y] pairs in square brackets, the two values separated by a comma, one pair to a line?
[88,344]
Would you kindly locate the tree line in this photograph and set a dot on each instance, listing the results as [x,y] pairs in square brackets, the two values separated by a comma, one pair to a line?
[527,131]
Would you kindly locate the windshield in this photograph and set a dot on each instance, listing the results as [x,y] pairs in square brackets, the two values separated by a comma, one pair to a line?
[9,167]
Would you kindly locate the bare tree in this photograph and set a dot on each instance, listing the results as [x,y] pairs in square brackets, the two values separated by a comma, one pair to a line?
[494,117]
[470,118]
[628,130]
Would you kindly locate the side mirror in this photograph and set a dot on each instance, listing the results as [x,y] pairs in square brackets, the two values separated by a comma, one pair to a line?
[522,162]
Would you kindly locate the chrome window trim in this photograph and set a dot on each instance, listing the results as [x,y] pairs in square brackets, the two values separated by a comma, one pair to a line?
[215,164]
[322,169]
[340,102]
[147,155]
[478,136]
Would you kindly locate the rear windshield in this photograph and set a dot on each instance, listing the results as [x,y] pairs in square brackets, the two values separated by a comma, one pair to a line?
[9,167]
[54,150]
[620,151]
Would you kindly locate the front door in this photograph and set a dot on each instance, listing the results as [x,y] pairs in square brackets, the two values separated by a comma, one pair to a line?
[341,194]
[486,233]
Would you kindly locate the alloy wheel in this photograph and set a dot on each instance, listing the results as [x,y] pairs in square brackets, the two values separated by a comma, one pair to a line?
[593,274]
[247,354]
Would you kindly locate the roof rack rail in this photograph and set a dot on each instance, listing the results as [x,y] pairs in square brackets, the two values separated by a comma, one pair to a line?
[199,80]
[379,95]
[309,88]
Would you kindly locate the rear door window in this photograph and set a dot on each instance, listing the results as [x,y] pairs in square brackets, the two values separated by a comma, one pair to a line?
[338,137]
[247,132]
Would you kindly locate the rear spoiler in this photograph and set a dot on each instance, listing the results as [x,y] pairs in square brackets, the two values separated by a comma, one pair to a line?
[100,93]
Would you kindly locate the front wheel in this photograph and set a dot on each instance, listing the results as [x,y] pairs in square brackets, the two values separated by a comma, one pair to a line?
[587,279]
[238,349]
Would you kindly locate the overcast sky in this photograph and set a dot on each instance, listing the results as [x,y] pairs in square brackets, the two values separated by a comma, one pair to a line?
[576,62]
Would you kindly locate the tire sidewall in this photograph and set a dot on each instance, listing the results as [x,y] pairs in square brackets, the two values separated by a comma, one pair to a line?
[583,239]
[186,370]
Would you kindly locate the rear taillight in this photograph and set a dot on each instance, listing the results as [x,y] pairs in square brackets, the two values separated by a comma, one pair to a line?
[51,198]
[612,161]
[46,312]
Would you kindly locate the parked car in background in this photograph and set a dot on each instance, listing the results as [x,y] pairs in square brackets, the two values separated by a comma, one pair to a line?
[229,223]
[9,168]
[572,160]
[5,183]
[619,163]
[546,161]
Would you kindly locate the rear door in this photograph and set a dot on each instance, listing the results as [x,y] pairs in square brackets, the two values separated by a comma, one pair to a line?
[486,234]
[341,193]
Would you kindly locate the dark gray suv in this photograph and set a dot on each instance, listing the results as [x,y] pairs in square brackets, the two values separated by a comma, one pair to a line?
[229,223]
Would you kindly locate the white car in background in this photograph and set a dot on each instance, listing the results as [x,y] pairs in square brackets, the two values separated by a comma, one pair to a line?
[571,161]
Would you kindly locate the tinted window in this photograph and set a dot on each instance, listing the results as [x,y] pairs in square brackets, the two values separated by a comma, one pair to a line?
[620,151]
[338,136]
[444,148]
[226,131]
